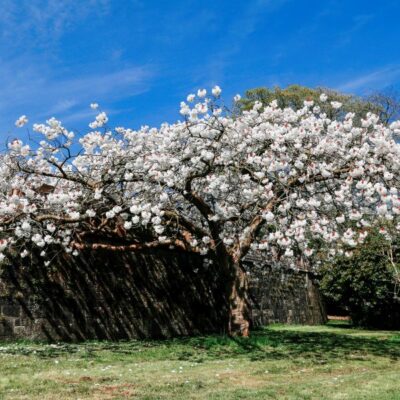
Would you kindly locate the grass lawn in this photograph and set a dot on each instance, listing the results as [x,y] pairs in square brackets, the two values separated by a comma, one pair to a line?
[277,362]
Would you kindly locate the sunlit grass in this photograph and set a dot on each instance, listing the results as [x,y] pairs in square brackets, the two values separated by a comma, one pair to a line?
[277,362]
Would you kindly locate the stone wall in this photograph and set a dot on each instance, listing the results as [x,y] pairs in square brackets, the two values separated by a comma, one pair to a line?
[140,296]
[16,323]
[287,296]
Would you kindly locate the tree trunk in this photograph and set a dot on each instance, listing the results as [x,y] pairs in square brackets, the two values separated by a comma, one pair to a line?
[239,306]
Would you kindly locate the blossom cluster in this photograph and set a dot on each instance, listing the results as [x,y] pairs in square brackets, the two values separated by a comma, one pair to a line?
[269,179]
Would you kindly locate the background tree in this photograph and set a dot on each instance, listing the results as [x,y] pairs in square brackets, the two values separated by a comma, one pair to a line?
[384,104]
[387,103]
[366,285]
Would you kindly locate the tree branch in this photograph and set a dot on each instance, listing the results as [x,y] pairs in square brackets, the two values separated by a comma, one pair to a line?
[136,247]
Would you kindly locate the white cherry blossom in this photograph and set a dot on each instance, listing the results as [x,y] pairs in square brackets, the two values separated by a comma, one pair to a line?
[276,181]
[21,121]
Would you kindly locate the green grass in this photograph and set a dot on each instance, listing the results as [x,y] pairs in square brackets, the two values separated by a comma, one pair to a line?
[277,362]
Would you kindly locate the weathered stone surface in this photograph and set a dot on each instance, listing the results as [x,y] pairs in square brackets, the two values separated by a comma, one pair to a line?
[100,296]
[285,296]
[6,328]
[10,310]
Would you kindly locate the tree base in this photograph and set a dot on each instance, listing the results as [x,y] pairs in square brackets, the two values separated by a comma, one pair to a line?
[240,309]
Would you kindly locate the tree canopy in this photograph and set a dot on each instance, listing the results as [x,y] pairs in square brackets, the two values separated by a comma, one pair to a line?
[270,179]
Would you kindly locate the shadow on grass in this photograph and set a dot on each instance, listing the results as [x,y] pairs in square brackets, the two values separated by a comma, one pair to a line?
[329,346]
[318,346]
[265,344]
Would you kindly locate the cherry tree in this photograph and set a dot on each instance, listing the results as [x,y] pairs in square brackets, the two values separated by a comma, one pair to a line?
[271,180]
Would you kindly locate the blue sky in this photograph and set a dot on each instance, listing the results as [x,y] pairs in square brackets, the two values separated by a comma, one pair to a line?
[139,59]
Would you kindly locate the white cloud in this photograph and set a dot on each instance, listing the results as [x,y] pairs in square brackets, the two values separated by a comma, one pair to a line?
[42,94]
[35,76]
[374,80]
[44,21]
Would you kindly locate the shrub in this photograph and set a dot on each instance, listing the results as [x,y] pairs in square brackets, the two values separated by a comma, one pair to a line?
[364,285]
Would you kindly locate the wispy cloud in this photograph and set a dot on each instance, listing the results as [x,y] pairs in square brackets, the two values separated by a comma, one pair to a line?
[237,34]
[45,94]
[44,21]
[374,80]
[36,77]
[359,22]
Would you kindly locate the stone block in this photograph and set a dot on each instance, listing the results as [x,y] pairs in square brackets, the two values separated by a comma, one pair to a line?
[6,328]
[11,311]
[21,332]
